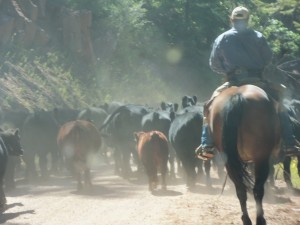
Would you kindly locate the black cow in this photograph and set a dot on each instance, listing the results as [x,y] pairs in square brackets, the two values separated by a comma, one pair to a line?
[111,107]
[187,101]
[119,127]
[94,115]
[169,106]
[9,145]
[12,119]
[286,160]
[38,138]
[185,135]
[161,120]
[63,114]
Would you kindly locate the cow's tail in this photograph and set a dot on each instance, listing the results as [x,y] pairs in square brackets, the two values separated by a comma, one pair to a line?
[232,117]
[161,144]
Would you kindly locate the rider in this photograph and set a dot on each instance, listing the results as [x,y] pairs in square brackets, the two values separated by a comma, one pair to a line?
[242,54]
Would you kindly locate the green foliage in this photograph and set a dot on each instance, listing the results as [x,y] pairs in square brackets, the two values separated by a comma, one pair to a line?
[278,22]
[150,50]
[294,172]
[40,82]
[282,40]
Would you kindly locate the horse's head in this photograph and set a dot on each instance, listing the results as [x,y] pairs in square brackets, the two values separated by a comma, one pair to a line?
[11,139]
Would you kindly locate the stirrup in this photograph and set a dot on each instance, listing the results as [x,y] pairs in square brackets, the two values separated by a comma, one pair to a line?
[205,153]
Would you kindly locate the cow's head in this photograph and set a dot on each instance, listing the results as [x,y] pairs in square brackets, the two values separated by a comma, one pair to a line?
[11,139]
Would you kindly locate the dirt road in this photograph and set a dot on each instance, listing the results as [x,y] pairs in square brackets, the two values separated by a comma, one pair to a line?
[115,201]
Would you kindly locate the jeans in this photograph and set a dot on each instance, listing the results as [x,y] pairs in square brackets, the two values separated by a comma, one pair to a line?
[206,139]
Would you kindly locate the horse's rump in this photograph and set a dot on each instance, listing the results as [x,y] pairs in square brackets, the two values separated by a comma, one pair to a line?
[245,126]
[246,116]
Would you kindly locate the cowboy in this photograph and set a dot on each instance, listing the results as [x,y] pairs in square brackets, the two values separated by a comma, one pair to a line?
[242,53]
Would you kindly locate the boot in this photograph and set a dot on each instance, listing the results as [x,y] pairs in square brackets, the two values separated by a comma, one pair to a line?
[206,149]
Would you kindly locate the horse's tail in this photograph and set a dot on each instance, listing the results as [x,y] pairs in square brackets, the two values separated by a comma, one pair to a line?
[232,116]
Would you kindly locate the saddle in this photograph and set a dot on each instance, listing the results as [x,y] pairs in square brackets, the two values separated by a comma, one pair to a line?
[274,90]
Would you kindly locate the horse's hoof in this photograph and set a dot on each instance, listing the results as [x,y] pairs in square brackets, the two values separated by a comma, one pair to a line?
[260,221]
[246,220]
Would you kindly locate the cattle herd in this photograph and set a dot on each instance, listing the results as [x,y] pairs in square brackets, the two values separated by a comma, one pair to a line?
[159,141]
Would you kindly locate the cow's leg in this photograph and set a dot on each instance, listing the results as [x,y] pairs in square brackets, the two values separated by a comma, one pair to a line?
[207,166]
[171,160]
[54,161]
[298,165]
[30,167]
[87,178]
[149,168]
[219,162]
[43,165]
[2,195]
[271,175]
[287,171]
[164,170]
[79,183]
[126,168]
[76,171]
[10,174]
[118,161]
[200,172]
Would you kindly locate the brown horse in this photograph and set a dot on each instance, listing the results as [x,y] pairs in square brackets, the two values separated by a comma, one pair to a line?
[79,140]
[245,126]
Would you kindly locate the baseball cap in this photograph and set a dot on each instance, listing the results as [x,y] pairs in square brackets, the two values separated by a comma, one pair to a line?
[240,13]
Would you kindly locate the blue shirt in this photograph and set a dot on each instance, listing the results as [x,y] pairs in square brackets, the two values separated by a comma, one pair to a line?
[246,49]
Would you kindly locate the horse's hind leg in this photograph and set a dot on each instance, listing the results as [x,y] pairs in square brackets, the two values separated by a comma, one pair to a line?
[241,193]
[242,196]
[261,175]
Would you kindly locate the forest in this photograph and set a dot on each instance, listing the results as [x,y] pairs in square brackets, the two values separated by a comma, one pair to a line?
[140,51]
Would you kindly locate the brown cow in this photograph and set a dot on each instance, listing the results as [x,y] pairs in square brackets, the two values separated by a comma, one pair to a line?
[153,152]
[79,140]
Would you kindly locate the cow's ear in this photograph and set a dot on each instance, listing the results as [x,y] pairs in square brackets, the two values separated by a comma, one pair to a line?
[176,107]
[136,136]
[172,116]
[163,106]
[17,132]
[195,99]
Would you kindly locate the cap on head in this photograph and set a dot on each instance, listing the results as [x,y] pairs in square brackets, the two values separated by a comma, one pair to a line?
[240,13]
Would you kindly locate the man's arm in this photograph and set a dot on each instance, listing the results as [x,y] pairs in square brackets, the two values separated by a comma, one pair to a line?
[216,59]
